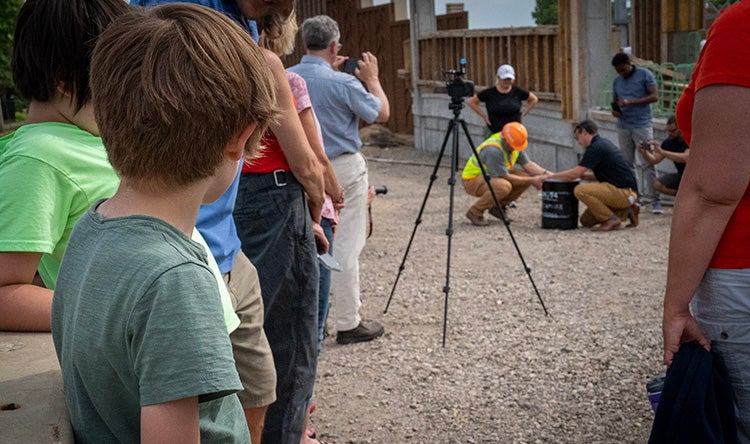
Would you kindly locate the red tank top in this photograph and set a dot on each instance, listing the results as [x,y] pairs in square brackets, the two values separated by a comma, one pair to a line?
[271,159]
[725,59]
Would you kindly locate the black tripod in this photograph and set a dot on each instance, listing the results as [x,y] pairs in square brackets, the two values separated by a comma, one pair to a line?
[457,103]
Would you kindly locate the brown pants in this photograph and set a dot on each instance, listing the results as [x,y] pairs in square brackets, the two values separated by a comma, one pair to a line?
[504,191]
[603,200]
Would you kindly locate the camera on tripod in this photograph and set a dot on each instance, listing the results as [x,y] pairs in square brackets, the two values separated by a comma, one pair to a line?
[458,88]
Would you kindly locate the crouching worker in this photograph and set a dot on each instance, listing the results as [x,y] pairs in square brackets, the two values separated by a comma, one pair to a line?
[612,199]
[137,321]
[499,155]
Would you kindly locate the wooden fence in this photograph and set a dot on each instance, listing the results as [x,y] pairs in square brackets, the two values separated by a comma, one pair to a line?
[542,60]
[533,52]
[374,29]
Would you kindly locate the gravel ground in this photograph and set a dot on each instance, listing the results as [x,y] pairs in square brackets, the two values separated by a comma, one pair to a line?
[507,373]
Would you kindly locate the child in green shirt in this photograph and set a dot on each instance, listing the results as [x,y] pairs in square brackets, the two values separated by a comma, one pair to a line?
[136,319]
[54,167]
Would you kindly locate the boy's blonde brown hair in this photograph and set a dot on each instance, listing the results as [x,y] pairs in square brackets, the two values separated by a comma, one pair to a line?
[169,93]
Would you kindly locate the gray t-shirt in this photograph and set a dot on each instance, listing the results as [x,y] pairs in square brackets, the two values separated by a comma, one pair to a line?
[137,321]
[495,161]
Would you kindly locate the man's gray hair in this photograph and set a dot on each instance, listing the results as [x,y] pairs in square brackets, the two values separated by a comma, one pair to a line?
[318,32]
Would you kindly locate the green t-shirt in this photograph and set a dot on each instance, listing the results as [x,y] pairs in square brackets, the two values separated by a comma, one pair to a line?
[50,174]
[136,321]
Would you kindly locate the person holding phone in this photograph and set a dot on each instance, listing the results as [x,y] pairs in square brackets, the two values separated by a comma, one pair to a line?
[673,148]
[341,100]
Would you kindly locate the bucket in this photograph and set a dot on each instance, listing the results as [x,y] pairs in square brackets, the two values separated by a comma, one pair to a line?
[559,204]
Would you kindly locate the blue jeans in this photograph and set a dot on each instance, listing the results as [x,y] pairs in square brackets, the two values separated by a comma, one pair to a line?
[275,228]
[324,291]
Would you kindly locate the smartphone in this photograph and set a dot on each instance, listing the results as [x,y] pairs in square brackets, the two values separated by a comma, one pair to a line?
[329,262]
[645,145]
[350,65]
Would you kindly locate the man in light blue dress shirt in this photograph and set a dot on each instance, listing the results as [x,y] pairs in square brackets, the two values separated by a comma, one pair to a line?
[340,100]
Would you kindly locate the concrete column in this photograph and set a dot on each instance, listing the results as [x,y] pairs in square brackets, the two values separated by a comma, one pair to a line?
[597,41]
[422,22]
[590,44]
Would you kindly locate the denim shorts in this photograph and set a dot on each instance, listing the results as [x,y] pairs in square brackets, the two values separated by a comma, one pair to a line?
[722,308]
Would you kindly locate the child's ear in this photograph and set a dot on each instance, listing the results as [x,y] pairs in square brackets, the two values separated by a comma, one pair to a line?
[60,89]
[236,147]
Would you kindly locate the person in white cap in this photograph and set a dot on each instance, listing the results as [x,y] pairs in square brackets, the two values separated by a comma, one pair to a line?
[504,101]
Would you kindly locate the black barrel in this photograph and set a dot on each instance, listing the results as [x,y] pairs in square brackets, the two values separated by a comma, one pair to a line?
[559,205]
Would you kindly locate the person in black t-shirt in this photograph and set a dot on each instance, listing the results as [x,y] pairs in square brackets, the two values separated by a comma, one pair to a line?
[504,101]
[673,148]
[613,197]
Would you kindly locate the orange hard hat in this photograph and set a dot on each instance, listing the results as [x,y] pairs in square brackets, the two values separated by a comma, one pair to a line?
[516,135]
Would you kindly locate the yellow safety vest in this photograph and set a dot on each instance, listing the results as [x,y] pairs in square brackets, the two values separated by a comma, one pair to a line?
[472,170]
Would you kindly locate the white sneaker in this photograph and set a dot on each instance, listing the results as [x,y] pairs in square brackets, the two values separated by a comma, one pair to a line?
[656,208]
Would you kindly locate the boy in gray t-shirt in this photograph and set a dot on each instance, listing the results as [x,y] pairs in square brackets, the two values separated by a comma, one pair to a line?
[136,317]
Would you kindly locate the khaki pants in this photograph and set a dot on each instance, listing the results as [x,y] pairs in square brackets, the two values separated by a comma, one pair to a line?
[252,353]
[351,171]
[504,191]
[603,200]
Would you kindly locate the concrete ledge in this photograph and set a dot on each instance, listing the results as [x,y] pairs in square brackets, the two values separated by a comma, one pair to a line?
[31,390]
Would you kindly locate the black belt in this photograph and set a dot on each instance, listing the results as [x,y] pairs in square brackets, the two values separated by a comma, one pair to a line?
[252,182]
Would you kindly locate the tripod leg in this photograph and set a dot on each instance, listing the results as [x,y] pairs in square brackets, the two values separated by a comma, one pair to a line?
[449,230]
[506,222]
[418,221]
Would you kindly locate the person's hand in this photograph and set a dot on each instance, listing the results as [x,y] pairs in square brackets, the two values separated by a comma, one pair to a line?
[368,67]
[336,65]
[487,121]
[657,149]
[624,102]
[537,181]
[371,194]
[616,114]
[678,328]
[321,243]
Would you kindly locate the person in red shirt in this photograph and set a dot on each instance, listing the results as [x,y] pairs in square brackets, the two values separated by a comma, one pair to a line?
[708,279]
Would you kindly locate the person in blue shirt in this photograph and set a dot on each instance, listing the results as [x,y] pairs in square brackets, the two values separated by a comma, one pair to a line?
[633,92]
[341,100]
